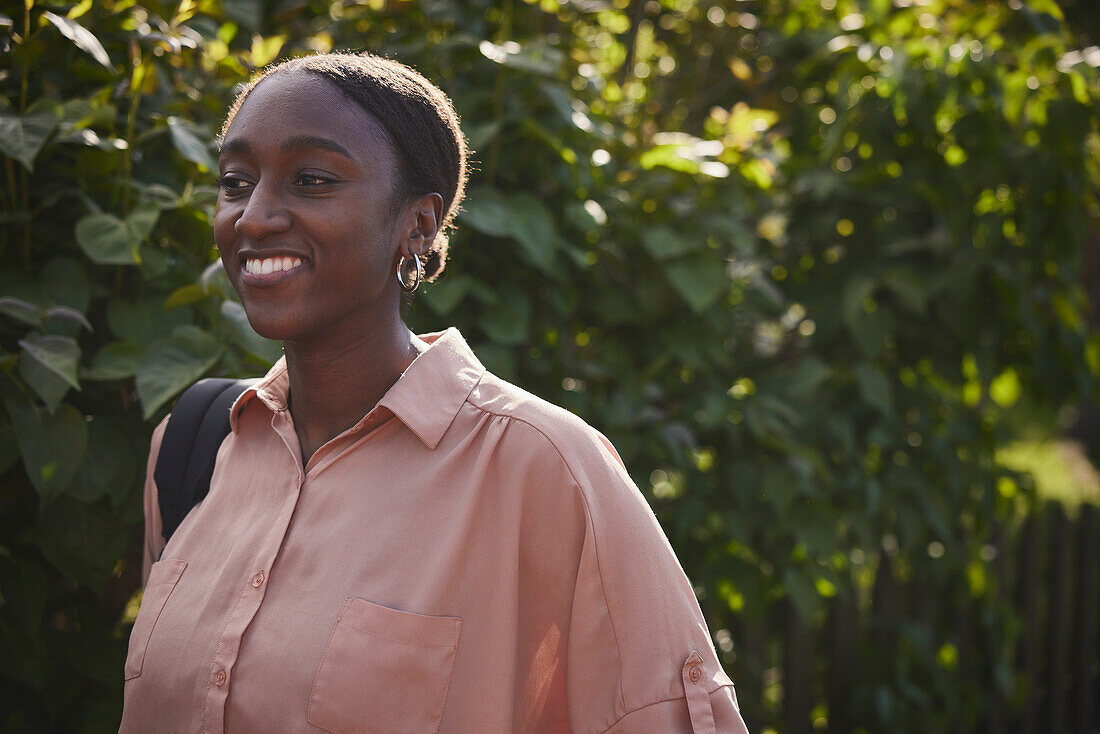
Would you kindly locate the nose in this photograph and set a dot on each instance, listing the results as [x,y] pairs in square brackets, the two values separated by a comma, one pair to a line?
[264,213]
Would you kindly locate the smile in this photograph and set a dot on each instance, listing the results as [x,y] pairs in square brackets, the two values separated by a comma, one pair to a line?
[267,265]
[261,271]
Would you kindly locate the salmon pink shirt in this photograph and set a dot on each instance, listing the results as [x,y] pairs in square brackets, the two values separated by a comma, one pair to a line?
[466,559]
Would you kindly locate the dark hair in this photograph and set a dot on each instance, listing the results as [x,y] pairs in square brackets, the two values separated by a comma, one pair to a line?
[416,116]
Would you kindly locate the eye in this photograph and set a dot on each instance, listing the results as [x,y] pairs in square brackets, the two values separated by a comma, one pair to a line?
[230,183]
[312,179]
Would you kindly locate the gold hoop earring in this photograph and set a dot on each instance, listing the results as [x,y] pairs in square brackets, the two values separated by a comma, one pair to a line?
[409,277]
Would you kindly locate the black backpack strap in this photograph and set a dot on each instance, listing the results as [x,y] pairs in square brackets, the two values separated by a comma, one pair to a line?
[198,425]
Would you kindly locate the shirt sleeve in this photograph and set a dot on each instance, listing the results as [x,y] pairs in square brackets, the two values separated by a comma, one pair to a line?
[154,541]
[640,658]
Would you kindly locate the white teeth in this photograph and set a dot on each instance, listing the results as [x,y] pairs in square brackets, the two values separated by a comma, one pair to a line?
[271,264]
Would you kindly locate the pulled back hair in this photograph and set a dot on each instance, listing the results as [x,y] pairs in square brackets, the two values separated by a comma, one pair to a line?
[417,118]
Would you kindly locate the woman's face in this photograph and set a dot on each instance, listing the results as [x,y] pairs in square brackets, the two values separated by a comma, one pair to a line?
[304,221]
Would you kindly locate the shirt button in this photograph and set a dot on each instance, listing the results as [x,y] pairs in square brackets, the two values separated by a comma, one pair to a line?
[695,674]
[258,580]
[219,678]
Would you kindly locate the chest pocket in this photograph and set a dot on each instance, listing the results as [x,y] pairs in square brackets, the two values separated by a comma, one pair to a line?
[162,580]
[384,671]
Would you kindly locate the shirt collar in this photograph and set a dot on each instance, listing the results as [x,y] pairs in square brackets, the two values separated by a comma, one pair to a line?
[426,397]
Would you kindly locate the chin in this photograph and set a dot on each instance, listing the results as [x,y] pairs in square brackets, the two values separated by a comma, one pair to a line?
[279,326]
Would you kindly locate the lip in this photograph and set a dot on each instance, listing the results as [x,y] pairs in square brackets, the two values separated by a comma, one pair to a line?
[274,277]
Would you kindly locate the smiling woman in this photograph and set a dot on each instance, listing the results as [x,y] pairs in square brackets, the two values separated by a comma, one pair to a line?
[394,539]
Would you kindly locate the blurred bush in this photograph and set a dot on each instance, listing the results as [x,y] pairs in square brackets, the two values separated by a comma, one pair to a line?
[795,258]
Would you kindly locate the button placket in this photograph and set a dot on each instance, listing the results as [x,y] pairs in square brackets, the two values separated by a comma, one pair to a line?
[251,598]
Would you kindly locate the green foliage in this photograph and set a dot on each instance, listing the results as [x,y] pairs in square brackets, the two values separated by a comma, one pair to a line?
[794,258]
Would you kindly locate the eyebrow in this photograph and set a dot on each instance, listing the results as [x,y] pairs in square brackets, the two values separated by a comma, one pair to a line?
[295,143]
[235,145]
[305,142]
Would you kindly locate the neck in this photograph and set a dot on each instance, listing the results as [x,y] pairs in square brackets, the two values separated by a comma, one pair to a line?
[337,380]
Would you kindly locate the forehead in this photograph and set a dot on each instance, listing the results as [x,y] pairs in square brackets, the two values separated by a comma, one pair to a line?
[296,103]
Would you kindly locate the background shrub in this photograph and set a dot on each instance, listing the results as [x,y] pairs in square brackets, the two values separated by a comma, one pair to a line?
[797,259]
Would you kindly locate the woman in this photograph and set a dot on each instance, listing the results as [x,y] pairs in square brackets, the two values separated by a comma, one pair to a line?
[395,540]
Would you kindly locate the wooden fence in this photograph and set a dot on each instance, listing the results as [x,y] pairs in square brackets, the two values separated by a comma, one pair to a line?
[1021,658]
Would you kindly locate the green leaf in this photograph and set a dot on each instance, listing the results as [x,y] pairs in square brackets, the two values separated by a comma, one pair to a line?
[267,350]
[1068,313]
[802,592]
[506,322]
[249,13]
[1050,7]
[910,288]
[856,291]
[700,280]
[533,227]
[81,36]
[106,240]
[47,365]
[487,211]
[116,361]
[9,448]
[52,445]
[20,310]
[96,658]
[161,196]
[173,364]
[140,223]
[442,297]
[542,60]
[870,331]
[1005,388]
[937,240]
[264,50]
[22,138]
[26,585]
[80,113]
[479,136]
[45,384]
[144,321]
[67,314]
[669,156]
[108,466]
[215,280]
[561,97]
[808,376]
[771,420]
[58,354]
[662,243]
[66,283]
[189,145]
[185,295]
[875,389]
[82,540]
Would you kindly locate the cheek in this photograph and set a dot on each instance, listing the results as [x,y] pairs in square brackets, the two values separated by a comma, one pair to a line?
[224,233]
[369,246]
[223,227]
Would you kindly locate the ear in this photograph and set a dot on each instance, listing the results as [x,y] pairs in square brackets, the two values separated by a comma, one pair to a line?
[420,222]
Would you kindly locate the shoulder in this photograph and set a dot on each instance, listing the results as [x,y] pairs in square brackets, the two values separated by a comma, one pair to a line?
[557,448]
[585,451]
